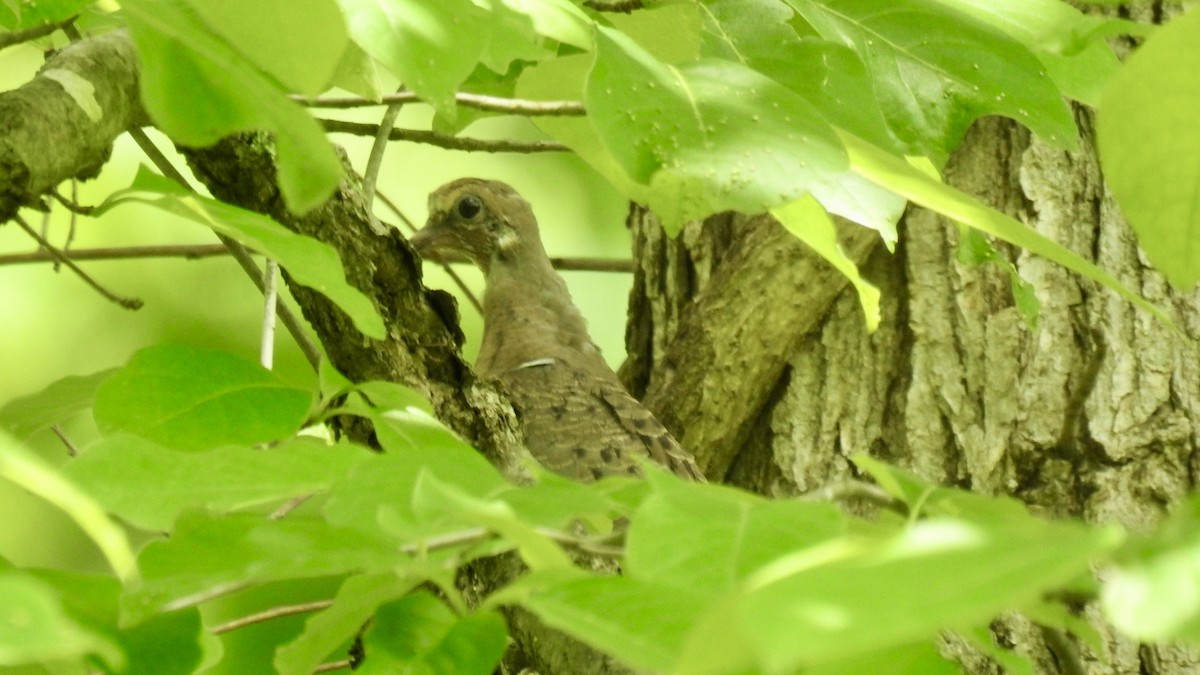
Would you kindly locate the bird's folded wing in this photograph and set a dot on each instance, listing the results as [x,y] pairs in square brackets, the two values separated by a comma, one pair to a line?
[643,425]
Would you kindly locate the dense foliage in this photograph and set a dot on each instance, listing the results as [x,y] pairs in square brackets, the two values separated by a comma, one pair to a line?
[224,475]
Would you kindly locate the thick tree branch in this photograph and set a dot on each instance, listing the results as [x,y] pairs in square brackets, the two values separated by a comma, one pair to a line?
[719,366]
[47,136]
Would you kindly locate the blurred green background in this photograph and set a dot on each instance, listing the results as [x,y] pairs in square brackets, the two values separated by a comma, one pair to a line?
[54,325]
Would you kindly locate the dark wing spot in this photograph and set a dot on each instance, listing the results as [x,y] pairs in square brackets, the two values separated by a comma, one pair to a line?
[579,451]
[607,455]
[597,473]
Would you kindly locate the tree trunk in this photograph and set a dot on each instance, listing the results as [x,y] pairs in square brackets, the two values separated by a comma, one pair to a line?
[1091,414]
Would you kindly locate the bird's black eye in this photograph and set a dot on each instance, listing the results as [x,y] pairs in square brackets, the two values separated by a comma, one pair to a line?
[468,206]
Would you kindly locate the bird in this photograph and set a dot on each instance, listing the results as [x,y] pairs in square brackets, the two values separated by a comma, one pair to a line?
[578,420]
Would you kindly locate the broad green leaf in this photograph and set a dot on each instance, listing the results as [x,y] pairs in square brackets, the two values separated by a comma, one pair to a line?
[357,74]
[919,658]
[829,74]
[45,11]
[182,60]
[207,557]
[935,70]
[808,221]
[641,623]
[564,79]
[25,416]
[670,32]
[435,499]
[169,644]
[21,466]
[299,43]
[419,634]
[556,19]
[956,571]
[149,485]
[310,263]
[425,45]
[1154,595]
[743,532]
[433,47]
[197,399]
[897,175]
[355,603]
[35,628]
[1147,150]
[1049,29]
[707,137]
[390,479]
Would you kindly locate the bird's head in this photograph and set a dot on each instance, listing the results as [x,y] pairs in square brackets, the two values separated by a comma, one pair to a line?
[477,221]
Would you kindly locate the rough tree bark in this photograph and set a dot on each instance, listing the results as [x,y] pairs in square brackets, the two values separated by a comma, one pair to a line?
[1093,414]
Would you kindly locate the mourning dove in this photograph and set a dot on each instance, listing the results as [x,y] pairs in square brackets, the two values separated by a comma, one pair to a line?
[577,418]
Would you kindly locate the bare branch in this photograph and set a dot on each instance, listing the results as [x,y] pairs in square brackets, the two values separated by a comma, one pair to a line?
[344,664]
[17,37]
[189,252]
[514,106]
[59,256]
[273,613]
[442,140]
[592,265]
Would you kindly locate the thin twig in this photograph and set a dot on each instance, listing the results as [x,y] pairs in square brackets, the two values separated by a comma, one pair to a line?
[273,613]
[266,349]
[462,286]
[592,265]
[375,160]
[190,252]
[478,534]
[239,252]
[127,303]
[289,506]
[515,106]
[441,140]
[17,37]
[72,451]
[344,664]
[622,6]
[71,206]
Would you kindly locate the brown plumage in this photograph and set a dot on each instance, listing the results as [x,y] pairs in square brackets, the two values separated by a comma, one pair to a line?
[578,420]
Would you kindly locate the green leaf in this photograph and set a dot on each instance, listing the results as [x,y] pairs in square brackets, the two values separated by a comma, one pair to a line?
[956,571]
[149,485]
[25,416]
[743,531]
[935,70]
[196,399]
[899,176]
[207,557]
[297,43]
[1155,594]
[1046,27]
[21,466]
[357,74]
[311,263]
[46,11]
[34,627]
[808,221]
[419,42]
[419,634]
[707,137]
[641,623]
[1150,166]
[183,60]
[390,479]
[355,603]
[830,75]
[919,658]
[169,644]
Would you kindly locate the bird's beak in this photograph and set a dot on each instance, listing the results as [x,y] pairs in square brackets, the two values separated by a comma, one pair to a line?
[438,243]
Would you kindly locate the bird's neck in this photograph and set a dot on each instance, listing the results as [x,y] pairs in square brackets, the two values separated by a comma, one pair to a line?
[528,316]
